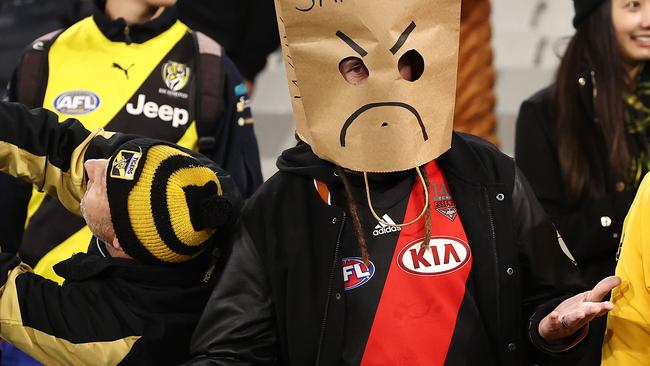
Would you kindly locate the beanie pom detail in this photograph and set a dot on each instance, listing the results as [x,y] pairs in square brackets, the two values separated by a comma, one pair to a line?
[207,208]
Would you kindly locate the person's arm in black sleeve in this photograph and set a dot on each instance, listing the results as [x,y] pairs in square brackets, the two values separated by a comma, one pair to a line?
[37,148]
[548,276]
[236,145]
[581,228]
[61,325]
[237,326]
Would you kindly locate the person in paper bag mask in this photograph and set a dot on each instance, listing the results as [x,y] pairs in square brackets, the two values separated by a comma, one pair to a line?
[344,258]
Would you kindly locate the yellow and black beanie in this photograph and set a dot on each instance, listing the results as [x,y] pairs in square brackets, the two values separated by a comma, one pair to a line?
[165,205]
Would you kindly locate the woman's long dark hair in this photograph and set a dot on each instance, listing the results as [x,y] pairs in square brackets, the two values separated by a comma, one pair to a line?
[593,48]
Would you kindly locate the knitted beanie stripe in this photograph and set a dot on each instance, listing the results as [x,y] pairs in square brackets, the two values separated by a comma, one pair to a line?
[141,217]
[179,212]
[174,229]
[150,212]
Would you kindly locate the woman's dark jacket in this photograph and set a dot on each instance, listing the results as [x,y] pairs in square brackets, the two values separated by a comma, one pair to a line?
[281,298]
[590,228]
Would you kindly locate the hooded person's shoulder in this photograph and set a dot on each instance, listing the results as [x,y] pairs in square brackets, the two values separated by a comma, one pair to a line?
[475,159]
[298,169]
[478,145]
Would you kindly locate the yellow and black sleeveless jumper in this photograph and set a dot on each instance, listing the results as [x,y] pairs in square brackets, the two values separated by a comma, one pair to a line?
[139,79]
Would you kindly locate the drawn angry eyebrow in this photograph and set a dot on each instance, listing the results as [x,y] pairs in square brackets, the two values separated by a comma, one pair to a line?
[402,38]
[351,43]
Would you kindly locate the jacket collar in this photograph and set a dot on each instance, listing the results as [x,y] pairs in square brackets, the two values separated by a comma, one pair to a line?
[118,31]
[462,160]
[588,88]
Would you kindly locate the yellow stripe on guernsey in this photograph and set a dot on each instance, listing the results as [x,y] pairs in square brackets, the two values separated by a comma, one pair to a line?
[46,348]
[84,38]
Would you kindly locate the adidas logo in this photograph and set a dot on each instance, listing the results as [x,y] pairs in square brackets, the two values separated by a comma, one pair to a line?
[382,229]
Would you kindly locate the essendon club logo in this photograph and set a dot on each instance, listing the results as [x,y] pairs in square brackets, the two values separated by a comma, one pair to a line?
[443,203]
[444,255]
[356,272]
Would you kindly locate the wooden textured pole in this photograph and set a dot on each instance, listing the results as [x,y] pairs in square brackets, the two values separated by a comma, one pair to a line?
[475,98]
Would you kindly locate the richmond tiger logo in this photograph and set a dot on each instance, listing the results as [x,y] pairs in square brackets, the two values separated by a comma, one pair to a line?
[175,75]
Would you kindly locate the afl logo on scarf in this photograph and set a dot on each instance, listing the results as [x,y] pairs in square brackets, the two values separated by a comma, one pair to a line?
[76,102]
[175,75]
[444,255]
[356,272]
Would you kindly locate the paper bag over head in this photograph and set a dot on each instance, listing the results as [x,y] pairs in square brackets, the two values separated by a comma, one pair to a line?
[385,123]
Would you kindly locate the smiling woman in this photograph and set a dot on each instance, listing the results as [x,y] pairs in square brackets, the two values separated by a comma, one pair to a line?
[632,26]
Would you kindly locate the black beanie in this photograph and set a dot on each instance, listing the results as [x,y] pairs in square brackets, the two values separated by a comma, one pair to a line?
[583,9]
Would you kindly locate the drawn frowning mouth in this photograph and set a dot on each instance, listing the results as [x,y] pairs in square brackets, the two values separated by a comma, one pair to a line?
[358,112]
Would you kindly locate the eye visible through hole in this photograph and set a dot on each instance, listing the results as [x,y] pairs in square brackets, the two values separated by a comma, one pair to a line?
[411,65]
[354,71]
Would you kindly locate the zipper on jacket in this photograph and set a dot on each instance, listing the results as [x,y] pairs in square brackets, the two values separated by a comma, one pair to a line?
[127,34]
[329,289]
[494,249]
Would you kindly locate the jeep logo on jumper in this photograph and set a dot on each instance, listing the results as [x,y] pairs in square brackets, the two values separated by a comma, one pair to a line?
[356,272]
[167,113]
[76,102]
[444,255]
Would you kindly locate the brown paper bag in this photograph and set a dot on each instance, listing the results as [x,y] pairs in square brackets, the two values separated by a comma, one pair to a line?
[386,123]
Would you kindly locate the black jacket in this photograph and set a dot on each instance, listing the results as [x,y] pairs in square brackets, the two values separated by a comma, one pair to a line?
[281,298]
[109,310]
[247,29]
[590,228]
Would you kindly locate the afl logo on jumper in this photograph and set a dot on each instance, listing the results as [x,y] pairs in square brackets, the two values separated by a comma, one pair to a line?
[175,75]
[356,272]
[444,255]
[76,102]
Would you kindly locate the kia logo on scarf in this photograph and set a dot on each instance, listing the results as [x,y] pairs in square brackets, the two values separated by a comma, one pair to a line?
[444,255]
